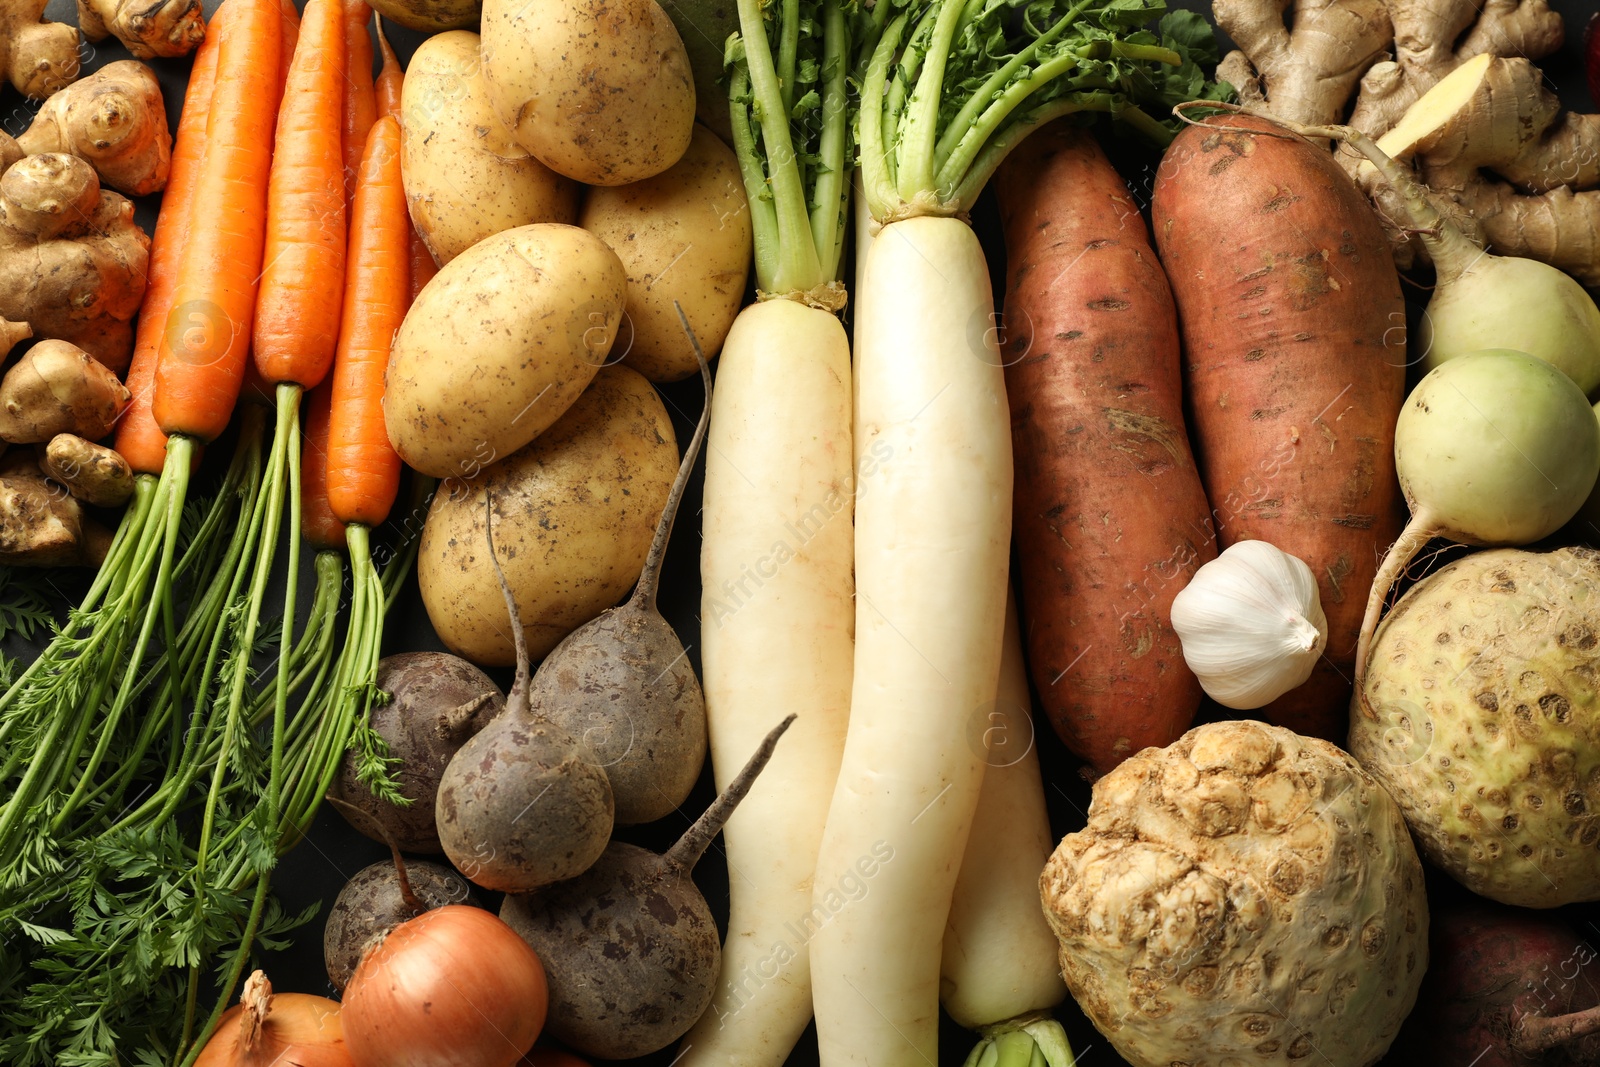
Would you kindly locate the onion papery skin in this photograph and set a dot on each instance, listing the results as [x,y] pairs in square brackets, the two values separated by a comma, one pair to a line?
[454,987]
[299,1029]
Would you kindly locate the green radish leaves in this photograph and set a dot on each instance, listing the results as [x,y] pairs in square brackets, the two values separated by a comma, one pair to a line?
[948,87]
[789,98]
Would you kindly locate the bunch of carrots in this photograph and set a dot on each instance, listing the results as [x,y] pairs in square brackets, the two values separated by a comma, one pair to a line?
[157,777]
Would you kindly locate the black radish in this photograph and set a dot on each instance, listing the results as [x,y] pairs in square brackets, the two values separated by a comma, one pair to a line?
[624,683]
[630,948]
[378,899]
[436,701]
[523,803]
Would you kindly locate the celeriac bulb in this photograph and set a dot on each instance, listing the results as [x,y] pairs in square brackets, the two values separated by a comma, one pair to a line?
[1251,625]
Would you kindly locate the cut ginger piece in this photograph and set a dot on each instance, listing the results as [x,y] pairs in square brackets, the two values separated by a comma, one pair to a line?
[1512,168]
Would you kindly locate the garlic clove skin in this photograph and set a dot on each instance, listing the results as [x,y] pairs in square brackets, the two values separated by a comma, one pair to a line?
[1251,625]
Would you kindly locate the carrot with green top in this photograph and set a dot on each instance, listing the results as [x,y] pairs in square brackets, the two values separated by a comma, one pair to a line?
[362,467]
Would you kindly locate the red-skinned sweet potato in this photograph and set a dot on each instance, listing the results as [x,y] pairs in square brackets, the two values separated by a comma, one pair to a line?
[1110,516]
[1294,368]
[1505,988]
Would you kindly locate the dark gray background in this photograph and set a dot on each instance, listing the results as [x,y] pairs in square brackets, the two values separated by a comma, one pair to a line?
[317,869]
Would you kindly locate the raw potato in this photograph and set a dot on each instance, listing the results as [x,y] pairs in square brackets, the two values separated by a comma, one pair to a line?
[600,90]
[56,388]
[576,510]
[115,120]
[682,236]
[93,473]
[1482,718]
[1243,896]
[498,345]
[466,177]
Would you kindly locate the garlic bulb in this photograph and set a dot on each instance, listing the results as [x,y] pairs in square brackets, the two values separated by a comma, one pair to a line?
[1251,625]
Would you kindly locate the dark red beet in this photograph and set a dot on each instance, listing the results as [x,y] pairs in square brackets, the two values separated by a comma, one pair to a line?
[1505,988]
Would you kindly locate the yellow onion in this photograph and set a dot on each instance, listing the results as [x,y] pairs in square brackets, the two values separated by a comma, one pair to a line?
[454,987]
[267,1029]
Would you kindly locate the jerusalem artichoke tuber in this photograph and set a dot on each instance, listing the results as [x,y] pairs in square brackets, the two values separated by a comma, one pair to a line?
[38,57]
[57,388]
[40,524]
[11,335]
[93,473]
[72,260]
[165,28]
[115,120]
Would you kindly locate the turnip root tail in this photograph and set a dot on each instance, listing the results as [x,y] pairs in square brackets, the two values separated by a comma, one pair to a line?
[407,894]
[517,699]
[644,594]
[695,840]
[1538,1034]
[1452,251]
[1422,528]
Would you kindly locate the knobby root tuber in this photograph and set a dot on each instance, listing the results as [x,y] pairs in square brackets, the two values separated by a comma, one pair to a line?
[72,260]
[115,120]
[1307,74]
[1510,168]
[38,57]
[41,525]
[93,473]
[57,388]
[167,28]
[11,335]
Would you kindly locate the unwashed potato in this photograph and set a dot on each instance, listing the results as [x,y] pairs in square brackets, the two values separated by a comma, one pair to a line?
[574,514]
[683,236]
[499,344]
[466,177]
[600,90]
[430,16]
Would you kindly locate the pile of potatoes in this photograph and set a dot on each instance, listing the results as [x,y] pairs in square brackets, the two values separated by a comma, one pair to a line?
[572,207]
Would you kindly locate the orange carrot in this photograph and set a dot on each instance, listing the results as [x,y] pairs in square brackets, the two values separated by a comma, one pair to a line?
[291,40]
[139,439]
[363,468]
[317,520]
[297,308]
[390,82]
[390,77]
[360,94]
[207,331]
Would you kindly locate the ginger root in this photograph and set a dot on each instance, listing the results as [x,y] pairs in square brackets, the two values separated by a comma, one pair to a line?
[1308,74]
[115,120]
[1510,167]
[38,57]
[55,389]
[93,473]
[72,260]
[168,28]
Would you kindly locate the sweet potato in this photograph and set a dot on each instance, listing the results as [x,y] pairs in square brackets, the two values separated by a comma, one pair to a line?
[1110,517]
[1294,367]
